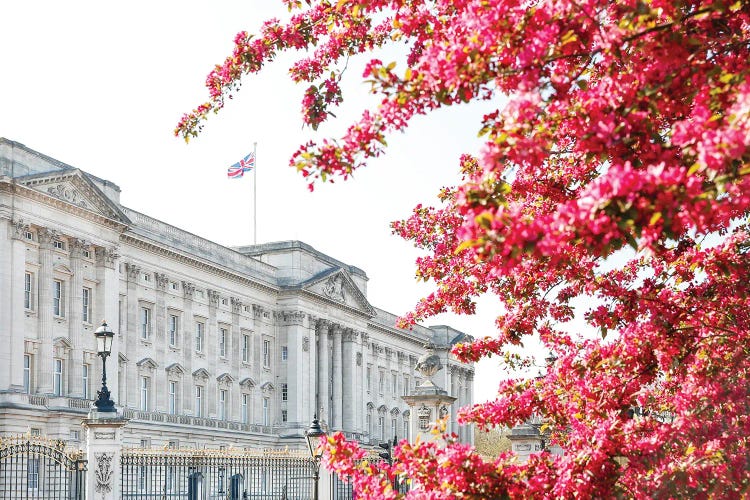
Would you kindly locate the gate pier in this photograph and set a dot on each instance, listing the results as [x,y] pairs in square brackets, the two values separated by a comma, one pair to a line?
[103,450]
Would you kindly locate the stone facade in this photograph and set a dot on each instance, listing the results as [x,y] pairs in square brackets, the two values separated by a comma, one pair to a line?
[214,346]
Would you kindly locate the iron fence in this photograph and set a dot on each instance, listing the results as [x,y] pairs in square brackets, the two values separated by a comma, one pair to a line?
[34,467]
[216,474]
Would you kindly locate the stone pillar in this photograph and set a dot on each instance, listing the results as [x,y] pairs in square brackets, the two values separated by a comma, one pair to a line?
[103,450]
[188,330]
[429,403]
[324,399]
[132,338]
[338,379]
[236,346]
[349,371]
[312,371]
[108,309]
[364,339]
[44,314]
[12,271]
[470,401]
[75,325]
[211,348]
[160,341]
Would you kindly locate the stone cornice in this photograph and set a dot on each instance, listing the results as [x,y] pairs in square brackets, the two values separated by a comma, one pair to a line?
[194,262]
[416,338]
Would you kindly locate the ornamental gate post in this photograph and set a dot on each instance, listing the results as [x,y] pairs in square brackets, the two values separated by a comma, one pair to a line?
[103,450]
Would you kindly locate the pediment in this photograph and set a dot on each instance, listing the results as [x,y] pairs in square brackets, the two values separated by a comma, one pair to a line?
[175,369]
[147,363]
[225,378]
[247,382]
[337,285]
[74,187]
[201,373]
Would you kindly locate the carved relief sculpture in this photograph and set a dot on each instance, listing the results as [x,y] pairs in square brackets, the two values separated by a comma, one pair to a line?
[334,288]
[104,472]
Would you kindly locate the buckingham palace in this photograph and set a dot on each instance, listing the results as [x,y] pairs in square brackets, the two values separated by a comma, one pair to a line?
[214,346]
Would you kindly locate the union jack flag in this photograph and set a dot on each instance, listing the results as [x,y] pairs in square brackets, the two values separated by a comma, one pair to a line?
[244,165]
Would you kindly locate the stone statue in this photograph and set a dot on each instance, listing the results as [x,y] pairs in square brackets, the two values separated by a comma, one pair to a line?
[429,363]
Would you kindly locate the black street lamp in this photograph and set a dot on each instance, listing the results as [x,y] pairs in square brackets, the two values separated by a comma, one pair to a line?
[315,437]
[104,337]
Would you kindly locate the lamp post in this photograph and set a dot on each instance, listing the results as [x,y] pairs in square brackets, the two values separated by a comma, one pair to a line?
[315,436]
[104,337]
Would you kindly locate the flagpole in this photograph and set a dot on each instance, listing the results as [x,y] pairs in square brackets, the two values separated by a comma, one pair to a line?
[255,196]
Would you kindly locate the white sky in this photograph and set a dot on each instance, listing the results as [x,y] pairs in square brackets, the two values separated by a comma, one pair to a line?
[100,86]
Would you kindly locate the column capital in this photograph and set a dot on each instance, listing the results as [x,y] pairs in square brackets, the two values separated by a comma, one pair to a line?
[188,289]
[349,334]
[213,298]
[161,281]
[132,270]
[106,257]
[77,247]
[236,304]
[17,229]
[47,236]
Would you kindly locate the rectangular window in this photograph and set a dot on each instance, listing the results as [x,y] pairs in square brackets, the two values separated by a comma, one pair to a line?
[381,427]
[406,385]
[59,245]
[74,436]
[145,322]
[199,328]
[393,428]
[172,397]
[244,416]
[284,353]
[27,373]
[245,348]
[145,386]
[381,381]
[57,379]
[85,380]
[267,353]
[369,378]
[406,429]
[394,384]
[32,474]
[285,392]
[86,305]
[29,235]
[28,293]
[222,405]
[368,423]
[266,411]
[58,298]
[174,323]
[284,415]
[198,401]
[223,342]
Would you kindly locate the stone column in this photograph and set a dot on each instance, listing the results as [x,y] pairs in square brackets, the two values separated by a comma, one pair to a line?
[12,315]
[349,370]
[324,399]
[75,325]
[44,314]
[132,338]
[211,348]
[188,330]
[160,341]
[338,378]
[236,346]
[312,371]
[364,338]
[108,309]
[103,450]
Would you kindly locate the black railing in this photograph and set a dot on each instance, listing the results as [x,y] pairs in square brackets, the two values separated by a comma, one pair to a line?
[34,467]
[215,474]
